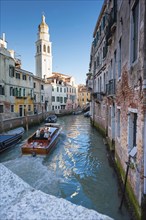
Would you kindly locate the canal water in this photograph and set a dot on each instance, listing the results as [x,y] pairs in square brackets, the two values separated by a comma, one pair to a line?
[77,169]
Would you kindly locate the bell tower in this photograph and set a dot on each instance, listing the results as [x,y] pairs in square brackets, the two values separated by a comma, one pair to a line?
[43,57]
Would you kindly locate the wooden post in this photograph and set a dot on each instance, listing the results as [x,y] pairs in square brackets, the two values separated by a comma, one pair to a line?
[26,120]
[128,164]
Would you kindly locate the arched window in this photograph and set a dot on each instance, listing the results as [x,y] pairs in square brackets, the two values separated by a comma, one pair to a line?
[37,49]
[48,49]
[44,48]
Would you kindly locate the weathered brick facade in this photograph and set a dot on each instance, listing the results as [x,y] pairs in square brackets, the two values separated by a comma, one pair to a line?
[120,113]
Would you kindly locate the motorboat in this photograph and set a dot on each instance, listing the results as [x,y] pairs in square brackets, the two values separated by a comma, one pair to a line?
[10,138]
[42,145]
[87,114]
[51,119]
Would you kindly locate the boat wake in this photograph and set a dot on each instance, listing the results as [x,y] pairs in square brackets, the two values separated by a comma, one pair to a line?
[39,176]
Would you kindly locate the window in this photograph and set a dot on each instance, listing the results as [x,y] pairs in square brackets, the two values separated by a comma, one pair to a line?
[40,48]
[35,97]
[12,108]
[132,130]
[2,92]
[64,90]
[29,78]
[48,49]
[23,92]
[16,91]
[57,98]
[65,99]
[52,107]
[53,98]
[60,89]
[57,89]
[11,91]
[55,107]
[24,77]
[29,108]
[119,60]
[134,31]
[104,82]
[19,92]
[37,49]
[31,93]
[114,65]
[118,123]
[52,88]
[11,71]
[1,108]
[109,117]
[44,48]
[42,98]
[34,85]
[61,99]
[17,75]
[42,87]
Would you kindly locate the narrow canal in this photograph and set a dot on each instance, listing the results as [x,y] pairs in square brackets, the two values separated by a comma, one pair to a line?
[77,169]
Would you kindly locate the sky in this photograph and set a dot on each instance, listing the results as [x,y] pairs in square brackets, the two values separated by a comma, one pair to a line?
[71,25]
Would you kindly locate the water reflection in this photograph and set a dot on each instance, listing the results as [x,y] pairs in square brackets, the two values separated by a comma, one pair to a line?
[77,169]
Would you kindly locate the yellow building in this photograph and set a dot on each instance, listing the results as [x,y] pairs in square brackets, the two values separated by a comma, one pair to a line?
[83,96]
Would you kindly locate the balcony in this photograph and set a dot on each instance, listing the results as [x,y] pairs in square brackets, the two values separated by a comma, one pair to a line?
[111,87]
[89,83]
[97,97]
[110,29]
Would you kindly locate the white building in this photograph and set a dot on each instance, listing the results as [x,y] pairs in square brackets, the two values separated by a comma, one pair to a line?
[43,57]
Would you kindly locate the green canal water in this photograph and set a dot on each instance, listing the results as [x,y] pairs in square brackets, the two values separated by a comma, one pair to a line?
[77,169]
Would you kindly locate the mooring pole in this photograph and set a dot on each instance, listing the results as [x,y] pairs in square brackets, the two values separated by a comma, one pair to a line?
[128,164]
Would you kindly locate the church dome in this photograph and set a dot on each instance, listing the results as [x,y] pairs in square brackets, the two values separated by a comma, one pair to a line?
[43,24]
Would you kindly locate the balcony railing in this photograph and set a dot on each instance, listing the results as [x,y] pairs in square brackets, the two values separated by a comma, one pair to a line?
[110,29]
[111,87]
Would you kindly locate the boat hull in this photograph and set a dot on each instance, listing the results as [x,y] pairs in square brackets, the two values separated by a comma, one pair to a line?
[10,138]
[29,149]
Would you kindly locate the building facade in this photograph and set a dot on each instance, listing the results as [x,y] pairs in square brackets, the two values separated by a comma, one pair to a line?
[83,96]
[117,70]
[60,89]
[21,93]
